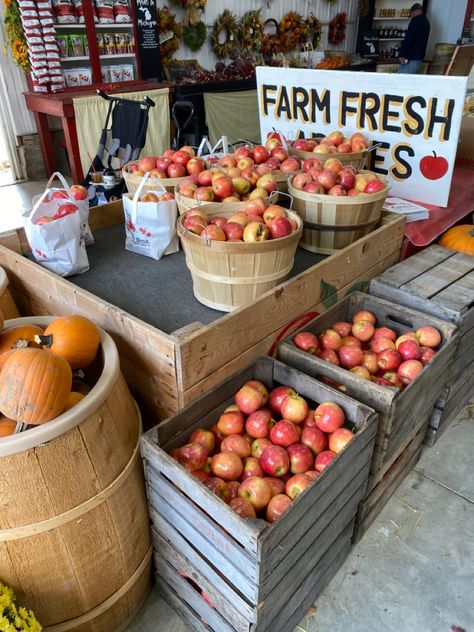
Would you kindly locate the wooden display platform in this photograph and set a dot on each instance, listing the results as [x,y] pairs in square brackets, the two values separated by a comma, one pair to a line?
[166,371]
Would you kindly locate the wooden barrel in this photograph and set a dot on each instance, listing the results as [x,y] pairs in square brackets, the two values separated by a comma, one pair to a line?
[7,304]
[441,58]
[331,223]
[74,529]
[227,275]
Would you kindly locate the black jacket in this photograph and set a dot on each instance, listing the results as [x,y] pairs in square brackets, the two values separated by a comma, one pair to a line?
[416,39]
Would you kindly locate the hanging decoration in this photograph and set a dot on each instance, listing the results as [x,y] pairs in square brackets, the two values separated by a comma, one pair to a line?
[167,22]
[15,35]
[226,23]
[337,29]
[194,35]
[364,8]
[315,30]
[293,31]
[271,43]
[251,31]
[13,618]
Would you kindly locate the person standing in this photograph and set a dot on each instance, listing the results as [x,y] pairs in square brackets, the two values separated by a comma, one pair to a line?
[413,47]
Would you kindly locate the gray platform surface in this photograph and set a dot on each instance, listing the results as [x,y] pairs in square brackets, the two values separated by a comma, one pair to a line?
[158,292]
[414,568]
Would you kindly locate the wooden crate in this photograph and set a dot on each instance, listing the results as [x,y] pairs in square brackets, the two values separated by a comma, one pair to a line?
[376,499]
[166,371]
[401,413]
[440,282]
[259,576]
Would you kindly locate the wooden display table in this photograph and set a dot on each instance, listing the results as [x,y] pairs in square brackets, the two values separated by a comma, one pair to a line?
[61,104]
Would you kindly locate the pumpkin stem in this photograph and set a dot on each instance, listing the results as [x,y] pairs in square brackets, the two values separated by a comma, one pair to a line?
[21,343]
[79,374]
[44,341]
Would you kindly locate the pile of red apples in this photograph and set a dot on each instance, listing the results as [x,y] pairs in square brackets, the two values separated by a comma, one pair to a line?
[172,164]
[257,221]
[260,159]
[333,143]
[78,193]
[373,353]
[265,449]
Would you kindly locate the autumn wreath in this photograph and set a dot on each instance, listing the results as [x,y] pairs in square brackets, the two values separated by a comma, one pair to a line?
[225,23]
[167,22]
[251,31]
[271,42]
[293,30]
[337,29]
[314,30]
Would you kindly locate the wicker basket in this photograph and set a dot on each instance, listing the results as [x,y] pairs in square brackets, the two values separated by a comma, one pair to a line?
[356,159]
[227,275]
[133,182]
[332,222]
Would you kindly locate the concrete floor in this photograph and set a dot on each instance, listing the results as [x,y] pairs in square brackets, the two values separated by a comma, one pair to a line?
[412,570]
[15,200]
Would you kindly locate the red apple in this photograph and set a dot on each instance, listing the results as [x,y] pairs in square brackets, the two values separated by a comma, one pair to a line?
[231,422]
[275,461]
[301,458]
[314,438]
[242,507]
[301,144]
[342,328]
[201,475]
[339,439]
[351,341]
[268,183]
[385,332]
[329,416]
[277,485]
[410,335]
[364,315]
[363,330]
[388,360]
[79,192]
[392,377]
[260,154]
[433,168]
[380,344]
[409,370]
[314,187]
[147,163]
[284,433]
[218,221]
[255,207]
[294,408]
[309,163]
[176,170]
[214,233]
[44,219]
[233,230]
[162,164]
[333,164]
[236,443]
[249,399]
[59,194]
[369,361]
[307,341]
[361,371]
[257,491]
[279,153]
[277,506]
[277,395]
[252,467]
[233,487]
[255,231]
[327,178]
[301,180]
[204,437]
[426,354]
[65,209]
[329,355]
[258,446]
[375,186]
[223,187]
[346,179]
[344,148]
[323,459]
[428,336]
[350,356]
[259,423]
[273,211]
[289,165]
[227,465]
[279,227]
[297,484]
[194,223]
[330,340]
[409,350]
[219,487]
[244,151]
[192,456]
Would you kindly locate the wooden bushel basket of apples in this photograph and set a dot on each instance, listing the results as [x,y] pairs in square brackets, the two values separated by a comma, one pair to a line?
[169,169]
[337,204]
[350,151]
[238,251]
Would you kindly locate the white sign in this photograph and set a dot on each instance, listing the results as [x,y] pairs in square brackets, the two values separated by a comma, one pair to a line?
[415,118]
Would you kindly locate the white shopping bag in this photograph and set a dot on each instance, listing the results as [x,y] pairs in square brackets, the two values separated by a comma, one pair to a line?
[212,154]
[150,227]
[57,243]
[83,205]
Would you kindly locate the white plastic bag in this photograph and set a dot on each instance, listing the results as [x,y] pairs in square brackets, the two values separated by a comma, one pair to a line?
[58,244]
[83,205]
[150,227]
[212,154]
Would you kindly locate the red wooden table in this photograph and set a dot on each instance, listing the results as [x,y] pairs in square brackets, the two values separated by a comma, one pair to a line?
[61,104]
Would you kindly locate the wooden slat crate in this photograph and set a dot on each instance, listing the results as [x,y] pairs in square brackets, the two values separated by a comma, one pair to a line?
[251,570]
[401,413]
[375,501]
[166,371]
[440,282]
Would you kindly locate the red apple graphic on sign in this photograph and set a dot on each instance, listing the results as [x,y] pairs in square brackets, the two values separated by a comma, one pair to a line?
[433,167]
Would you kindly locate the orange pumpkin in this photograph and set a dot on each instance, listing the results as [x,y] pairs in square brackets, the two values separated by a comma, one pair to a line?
[4,357]
[459,238]
[73,399]
[19,337]
[2,320]
[7,426]
[34,386]
[74,338]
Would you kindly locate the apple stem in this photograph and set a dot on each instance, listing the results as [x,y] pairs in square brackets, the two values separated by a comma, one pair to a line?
[434,154]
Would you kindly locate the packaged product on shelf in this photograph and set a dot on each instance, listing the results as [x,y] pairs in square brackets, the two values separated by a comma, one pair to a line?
[71,76]
[106,74]
[131,42]
[76,44]
[121,43]
[63,45]
[101,43]
[115,73]
[127,72]
[79,9]
[121,11]
[109,44]
[105,11]
[85,76]
[64,12]
[85,44]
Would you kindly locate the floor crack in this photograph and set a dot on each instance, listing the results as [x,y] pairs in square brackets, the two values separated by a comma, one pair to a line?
[450,489]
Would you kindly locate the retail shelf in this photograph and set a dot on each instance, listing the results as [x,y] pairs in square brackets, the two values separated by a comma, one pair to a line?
[106,27]
[114,55]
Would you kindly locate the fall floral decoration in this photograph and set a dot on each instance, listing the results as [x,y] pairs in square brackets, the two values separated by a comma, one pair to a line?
[13,619]
[251,31]
[337,29]
[271,43]
[167,22]
[293,30]
[315,29]
[194,35]
[225,23]
[15,36]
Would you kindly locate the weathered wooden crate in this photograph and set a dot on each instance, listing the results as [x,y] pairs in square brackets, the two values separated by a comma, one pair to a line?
[166,371]
[258,576]
[375,501]
[401,413]
[440,282]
